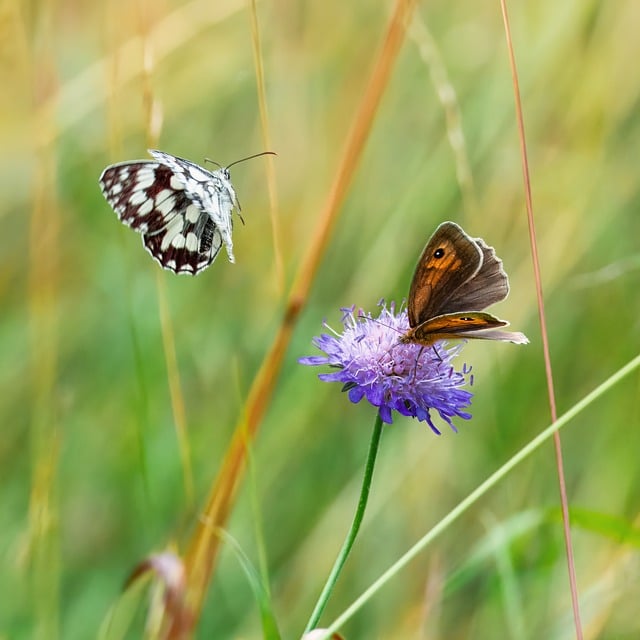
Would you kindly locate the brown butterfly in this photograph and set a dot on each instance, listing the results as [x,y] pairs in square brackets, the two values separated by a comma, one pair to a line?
[457,276]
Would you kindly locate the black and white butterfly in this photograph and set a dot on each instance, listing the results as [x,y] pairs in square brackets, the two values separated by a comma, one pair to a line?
[183,211]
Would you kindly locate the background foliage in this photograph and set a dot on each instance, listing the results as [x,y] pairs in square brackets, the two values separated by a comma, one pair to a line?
[92,476]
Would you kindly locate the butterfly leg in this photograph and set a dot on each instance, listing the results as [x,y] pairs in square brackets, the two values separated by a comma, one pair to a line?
[415,367]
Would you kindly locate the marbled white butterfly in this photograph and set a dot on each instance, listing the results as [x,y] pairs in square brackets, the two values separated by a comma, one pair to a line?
[183,211]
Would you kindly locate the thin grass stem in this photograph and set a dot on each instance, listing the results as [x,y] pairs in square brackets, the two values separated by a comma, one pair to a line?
[374,446]
[543,326]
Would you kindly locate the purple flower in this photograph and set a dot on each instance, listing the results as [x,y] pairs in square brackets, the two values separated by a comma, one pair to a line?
[407,378]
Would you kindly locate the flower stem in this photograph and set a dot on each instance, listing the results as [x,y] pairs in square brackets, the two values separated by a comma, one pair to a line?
[374,445]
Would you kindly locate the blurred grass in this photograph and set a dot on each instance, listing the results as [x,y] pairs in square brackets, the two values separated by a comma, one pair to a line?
[60,127]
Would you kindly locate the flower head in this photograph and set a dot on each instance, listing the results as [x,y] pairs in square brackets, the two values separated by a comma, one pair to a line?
[407,378]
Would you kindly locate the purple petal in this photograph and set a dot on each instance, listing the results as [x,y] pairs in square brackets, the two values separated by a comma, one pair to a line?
[372,363]
[313,360]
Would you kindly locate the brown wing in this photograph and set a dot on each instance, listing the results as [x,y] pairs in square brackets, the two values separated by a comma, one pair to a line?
[450,259]
[488,286]
[453,326]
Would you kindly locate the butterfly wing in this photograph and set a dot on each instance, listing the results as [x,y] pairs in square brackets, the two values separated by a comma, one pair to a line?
[141,194]
[449,260]
[212,191]
[456,326]
[187,175]
[488,286]
[184,246]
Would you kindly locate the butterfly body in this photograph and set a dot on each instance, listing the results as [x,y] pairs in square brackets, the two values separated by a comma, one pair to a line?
[183,211]
[456,277]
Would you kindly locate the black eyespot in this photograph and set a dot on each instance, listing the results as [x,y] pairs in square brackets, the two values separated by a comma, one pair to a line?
[466,319]
[438,253]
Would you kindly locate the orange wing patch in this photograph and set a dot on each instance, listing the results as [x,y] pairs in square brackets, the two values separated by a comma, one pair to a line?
[452,326]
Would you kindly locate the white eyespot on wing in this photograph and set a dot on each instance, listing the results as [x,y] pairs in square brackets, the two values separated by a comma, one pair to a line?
[137,197]
[172,230]
[176,184]
[192,213]
[192,242]
[165,206]
[198,174]
[145,208]
[145,179]
[179,241]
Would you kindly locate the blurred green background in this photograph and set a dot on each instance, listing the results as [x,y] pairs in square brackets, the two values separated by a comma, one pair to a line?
[91,471]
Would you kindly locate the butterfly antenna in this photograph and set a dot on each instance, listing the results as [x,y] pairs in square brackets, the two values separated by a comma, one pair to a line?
[388,326]
[255,155]
[213,162]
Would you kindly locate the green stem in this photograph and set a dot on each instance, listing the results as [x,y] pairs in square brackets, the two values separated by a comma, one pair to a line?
[355,527]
